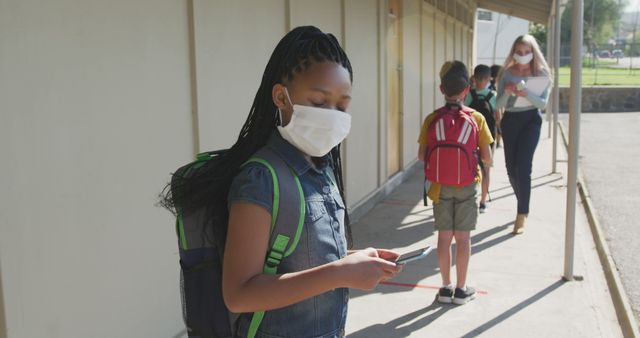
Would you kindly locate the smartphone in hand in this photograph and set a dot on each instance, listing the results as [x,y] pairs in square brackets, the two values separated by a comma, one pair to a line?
[413,255]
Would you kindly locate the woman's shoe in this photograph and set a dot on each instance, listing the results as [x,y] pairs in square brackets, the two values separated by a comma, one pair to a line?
[518,228]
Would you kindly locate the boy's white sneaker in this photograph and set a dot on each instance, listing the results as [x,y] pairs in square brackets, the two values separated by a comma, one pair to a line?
[445,295]
[461,296]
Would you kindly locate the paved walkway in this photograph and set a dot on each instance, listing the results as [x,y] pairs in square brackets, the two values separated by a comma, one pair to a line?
[519,278]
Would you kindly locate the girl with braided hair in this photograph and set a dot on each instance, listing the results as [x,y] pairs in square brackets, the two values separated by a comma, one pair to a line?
[300,112]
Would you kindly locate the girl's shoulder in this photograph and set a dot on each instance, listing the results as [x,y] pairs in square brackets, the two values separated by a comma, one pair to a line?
[253,184]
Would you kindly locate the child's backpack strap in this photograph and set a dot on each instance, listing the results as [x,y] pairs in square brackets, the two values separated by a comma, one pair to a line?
[488,97]
[474,95]
[287,216]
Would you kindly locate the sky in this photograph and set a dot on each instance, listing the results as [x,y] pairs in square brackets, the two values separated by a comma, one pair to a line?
[633,5]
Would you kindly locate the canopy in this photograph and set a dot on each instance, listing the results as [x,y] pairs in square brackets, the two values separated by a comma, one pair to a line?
[533,10]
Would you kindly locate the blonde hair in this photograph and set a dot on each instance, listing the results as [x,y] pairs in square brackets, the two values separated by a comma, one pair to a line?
[538,64]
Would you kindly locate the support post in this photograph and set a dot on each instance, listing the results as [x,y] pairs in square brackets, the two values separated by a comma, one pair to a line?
[556,83]
[549,109]
[574,134]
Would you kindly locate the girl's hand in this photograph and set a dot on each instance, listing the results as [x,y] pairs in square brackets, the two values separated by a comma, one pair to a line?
[521,93]
[364,269]
[510,88]
[389,255]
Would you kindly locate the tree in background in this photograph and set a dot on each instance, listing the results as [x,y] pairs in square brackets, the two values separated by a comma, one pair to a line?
[600,20]
[540,33]
[633,47]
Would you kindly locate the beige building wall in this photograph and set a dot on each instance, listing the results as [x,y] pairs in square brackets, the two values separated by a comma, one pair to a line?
[429,74]
[326,14]
[362,149]
[462,53]
[95,111]
[411,79]
[440,48]
[451,38]
[100,101]
[233,42]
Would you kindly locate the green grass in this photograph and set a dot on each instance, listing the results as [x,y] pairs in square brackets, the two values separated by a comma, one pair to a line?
[587,62]
[603,77]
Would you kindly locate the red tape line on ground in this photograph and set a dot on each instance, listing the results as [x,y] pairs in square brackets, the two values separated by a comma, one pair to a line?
[421,286]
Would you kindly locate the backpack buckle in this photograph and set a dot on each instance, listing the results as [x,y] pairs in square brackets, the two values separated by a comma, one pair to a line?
[274,258]
[276,254]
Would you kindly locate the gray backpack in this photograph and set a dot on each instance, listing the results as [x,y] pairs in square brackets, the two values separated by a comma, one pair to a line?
[204,311]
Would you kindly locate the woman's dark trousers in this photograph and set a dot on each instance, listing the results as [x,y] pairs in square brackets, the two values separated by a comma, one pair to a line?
[521,132]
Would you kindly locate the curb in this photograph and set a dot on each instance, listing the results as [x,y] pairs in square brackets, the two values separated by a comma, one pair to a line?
[625,315]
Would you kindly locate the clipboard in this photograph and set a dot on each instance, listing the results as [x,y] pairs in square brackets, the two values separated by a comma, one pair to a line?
[535,85]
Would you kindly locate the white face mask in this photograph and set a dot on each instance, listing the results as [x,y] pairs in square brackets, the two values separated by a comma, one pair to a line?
[523,59]
[315,131]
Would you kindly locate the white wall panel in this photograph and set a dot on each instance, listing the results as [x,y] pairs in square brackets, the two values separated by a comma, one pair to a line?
[234,41]
[451,39]
[411,80]
[440,54]
[429,74]
[95,113]
[362,153]
[325,15]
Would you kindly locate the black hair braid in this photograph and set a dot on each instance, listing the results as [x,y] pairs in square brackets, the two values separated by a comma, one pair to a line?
[208,186]
[337,172]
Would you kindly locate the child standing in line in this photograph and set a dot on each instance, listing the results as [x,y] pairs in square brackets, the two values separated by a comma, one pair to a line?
[483,100]
[450,140]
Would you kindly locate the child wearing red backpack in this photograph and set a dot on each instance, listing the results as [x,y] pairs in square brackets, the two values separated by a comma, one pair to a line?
[453,140]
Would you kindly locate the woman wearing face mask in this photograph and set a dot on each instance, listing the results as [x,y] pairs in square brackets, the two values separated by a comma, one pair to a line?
[300,113]
[520,125]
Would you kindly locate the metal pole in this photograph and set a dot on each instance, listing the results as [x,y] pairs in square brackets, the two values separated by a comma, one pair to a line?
[556,83]
[547,111]
[574,134]
[495,39]
[634,46]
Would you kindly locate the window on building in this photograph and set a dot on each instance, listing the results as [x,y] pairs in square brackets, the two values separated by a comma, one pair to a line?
[485,15]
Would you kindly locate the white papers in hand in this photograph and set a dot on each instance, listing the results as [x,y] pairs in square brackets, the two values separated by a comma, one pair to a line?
[534,86]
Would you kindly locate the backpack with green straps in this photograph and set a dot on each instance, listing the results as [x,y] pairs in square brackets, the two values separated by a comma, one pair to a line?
[204,311]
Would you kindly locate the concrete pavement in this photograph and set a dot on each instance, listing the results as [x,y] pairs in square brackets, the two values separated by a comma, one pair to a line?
[615,196]
[518,277]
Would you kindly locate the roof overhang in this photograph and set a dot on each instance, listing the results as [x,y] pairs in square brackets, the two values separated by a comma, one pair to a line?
[533,10]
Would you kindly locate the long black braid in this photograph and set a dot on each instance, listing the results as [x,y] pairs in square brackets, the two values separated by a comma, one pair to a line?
[208,187]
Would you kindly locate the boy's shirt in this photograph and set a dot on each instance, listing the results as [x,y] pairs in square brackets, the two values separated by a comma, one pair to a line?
[484,136]
[482,94]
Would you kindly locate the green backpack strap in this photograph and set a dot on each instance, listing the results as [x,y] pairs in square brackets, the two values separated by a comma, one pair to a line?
[192,237]
[287,216]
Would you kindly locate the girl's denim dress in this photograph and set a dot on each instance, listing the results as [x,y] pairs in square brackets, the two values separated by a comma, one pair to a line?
[322,241]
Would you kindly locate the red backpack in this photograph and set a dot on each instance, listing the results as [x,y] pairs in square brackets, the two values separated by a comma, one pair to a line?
[452,153]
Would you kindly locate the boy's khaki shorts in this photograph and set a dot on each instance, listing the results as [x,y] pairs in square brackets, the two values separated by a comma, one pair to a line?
[457,209]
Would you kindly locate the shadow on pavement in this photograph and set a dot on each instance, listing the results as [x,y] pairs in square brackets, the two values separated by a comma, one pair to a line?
[532,180]
[505,315]
[400,221]
[533,186]
[413,273]
[394,328]
[478,246]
